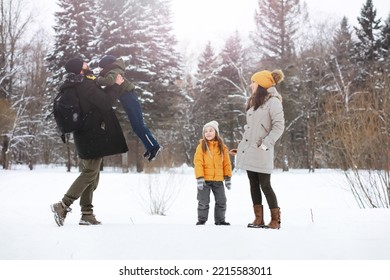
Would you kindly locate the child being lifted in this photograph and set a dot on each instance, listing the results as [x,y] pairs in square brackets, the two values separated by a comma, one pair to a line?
[111,67]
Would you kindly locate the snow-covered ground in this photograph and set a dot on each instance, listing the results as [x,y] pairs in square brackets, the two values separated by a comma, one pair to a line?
[320,220]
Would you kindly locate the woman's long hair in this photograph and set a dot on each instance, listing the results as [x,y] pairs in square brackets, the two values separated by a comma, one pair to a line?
[257,98]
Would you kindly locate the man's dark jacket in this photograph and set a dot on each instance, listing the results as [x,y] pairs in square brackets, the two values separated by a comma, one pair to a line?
[101,134]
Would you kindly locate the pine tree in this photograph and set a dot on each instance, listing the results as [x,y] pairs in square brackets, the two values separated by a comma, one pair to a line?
[206,69]
[342,42]
[232,89]
[385,39]
[142,34]
[340,60]
[73,34]
[109,28]
[205,99]
[156,65]
[206,64]
[233,61]
[367,47]
[276,26]
[161,45]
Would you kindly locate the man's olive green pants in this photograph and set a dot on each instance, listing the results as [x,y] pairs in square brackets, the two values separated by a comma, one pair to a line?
[84,186]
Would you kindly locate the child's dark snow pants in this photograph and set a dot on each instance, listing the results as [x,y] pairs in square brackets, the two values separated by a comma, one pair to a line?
[218,190]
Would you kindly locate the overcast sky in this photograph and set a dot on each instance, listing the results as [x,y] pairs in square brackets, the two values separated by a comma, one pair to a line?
[223,17]
[194,24]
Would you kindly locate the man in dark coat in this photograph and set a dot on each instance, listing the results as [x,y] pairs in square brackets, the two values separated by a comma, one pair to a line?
[101,135]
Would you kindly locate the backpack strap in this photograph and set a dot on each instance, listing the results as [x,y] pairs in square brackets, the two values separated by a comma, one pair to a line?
[63,138]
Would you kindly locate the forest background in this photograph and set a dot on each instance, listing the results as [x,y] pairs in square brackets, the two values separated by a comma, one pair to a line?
[336,94]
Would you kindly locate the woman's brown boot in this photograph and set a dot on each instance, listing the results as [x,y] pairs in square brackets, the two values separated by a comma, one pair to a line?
[259,220]
[275,218]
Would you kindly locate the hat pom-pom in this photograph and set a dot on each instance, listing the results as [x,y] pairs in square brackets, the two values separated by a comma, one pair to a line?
[277,75]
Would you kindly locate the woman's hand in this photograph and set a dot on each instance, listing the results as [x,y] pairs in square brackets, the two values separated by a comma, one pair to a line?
[233,152]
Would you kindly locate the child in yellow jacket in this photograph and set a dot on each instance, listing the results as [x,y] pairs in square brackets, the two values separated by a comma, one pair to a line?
[212,167]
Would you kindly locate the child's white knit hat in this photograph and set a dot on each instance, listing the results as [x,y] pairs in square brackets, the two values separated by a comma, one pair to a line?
[213,124]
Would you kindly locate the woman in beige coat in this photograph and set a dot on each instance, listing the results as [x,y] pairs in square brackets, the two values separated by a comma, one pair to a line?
[255,153]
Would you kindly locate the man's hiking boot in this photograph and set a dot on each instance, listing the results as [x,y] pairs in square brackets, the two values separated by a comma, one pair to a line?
[88,219]
[201,223]
[60,211]
[154,152]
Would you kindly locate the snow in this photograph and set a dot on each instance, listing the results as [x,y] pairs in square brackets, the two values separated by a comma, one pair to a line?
[320,221]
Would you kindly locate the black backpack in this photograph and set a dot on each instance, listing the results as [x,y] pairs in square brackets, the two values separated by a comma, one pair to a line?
[67,111]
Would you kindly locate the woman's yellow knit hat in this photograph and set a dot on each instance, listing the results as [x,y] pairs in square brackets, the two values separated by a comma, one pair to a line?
[267,79]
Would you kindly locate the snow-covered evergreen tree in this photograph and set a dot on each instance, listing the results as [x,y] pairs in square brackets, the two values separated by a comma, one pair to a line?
[342,42]
[156,65]
[277,23]
[109,30]
[206,65]
[74,31]
[340,61]
[385,39]
[206,94]
[368,32]
[233,89]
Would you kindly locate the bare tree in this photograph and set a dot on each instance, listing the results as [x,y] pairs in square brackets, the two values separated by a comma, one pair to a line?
[361,135]
[160,192]
[13,25]
[277,24]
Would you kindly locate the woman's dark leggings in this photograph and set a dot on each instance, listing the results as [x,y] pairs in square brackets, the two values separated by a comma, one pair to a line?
[262,182]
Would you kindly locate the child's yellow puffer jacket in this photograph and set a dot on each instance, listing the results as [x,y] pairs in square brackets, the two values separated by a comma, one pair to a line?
[211,164]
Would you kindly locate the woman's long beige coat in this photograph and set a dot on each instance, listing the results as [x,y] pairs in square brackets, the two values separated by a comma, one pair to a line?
[265,125]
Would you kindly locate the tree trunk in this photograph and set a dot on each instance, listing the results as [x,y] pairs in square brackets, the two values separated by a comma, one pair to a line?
[285,164]
[4,153]
[139,157]
[125,163]
[68,163]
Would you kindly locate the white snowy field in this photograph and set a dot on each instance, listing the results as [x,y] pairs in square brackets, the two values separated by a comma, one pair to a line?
[320,220]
